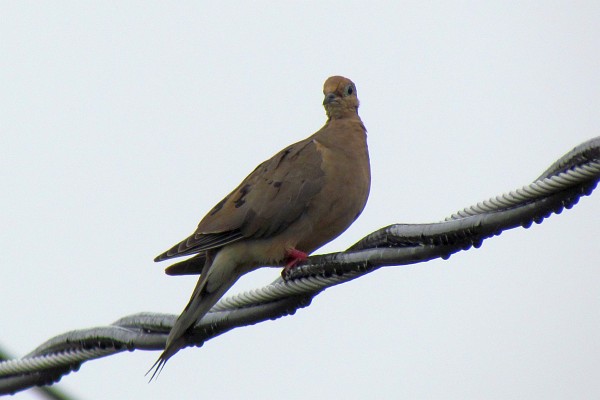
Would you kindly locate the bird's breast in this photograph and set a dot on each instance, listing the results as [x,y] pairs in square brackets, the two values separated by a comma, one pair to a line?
[345,190]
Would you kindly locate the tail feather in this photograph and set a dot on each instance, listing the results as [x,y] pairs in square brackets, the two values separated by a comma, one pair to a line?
[191,266]
[206,294]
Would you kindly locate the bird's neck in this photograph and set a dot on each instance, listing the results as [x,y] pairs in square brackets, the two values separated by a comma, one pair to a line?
[341,113]
[351,128]
[338,114]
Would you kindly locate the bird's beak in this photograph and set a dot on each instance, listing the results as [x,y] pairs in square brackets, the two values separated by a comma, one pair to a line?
[329,98]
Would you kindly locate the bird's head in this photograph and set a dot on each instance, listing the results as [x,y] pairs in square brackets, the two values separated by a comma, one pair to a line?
[340,97]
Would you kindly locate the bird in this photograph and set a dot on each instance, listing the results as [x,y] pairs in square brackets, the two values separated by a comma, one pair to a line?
[300,199]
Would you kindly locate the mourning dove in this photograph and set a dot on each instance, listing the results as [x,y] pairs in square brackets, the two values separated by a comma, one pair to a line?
[289,206]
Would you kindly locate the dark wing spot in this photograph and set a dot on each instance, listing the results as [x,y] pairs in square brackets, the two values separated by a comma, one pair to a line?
[277,184]
[240,203]
[218,207]
[241,199]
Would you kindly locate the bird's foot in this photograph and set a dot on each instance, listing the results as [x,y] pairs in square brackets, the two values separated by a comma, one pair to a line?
[293,257]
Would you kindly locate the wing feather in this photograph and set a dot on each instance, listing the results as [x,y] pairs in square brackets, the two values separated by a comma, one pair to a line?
[271,198]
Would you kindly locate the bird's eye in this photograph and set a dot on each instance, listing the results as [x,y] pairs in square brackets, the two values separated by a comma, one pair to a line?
[349,90]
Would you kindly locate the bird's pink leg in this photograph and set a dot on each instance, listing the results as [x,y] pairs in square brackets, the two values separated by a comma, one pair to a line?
[293,258]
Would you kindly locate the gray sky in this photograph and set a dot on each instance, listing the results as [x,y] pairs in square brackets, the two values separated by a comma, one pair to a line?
[122,124]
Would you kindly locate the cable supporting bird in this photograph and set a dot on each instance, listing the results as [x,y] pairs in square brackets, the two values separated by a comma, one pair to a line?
[290,205]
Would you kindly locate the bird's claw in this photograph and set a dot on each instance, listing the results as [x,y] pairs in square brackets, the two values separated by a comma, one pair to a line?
[294,257]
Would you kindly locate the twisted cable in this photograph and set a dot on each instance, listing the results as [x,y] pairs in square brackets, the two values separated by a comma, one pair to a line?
[560,186]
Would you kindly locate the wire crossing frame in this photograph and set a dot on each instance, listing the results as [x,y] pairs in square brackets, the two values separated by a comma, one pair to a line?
[574,175]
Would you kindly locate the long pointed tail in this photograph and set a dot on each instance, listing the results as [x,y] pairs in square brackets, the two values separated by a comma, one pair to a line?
[209,289]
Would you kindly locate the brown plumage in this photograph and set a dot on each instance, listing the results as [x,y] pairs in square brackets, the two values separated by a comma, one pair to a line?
[289,206]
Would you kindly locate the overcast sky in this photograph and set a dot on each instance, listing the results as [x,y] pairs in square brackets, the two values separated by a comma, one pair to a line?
[123,123]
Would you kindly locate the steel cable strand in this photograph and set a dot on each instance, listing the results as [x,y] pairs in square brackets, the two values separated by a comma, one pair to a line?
[578,167]
[66,357]
[539,188]
[276,290]
[147,331]
[582,162]
[42,370]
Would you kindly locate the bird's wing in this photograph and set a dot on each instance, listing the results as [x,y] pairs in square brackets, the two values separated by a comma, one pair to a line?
[271,198]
